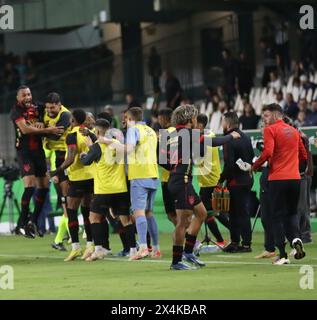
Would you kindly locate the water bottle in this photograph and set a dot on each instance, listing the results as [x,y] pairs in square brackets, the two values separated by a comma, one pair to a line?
[226,200]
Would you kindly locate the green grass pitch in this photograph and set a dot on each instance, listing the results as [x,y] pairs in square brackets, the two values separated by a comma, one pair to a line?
[41,273]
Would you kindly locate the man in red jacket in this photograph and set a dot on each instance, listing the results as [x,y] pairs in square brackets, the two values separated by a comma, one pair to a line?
[283,148]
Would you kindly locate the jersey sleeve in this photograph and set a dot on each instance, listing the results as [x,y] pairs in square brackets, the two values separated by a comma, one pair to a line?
[64,120]
[16,115]
[71,140]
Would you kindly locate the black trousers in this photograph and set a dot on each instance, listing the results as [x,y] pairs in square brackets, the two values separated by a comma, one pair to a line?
[239,217]
[284,196]
[267,223]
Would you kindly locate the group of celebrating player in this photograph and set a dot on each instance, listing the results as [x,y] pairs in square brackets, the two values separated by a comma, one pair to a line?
[110,172]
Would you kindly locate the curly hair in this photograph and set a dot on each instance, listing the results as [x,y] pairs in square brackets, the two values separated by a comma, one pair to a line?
[183,114]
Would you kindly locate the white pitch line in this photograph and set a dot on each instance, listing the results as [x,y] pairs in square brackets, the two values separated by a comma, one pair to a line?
[160,261]
[228,257]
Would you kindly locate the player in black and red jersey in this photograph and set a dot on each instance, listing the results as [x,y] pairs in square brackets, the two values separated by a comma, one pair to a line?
[27,118]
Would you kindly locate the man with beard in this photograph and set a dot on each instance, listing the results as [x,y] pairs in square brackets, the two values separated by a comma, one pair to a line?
[27,119]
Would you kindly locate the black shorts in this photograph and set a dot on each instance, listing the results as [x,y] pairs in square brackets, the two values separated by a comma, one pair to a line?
[167,199]
[184,194]
[59,159]
[205,195]
[118,202]
[32,163]
[77,189]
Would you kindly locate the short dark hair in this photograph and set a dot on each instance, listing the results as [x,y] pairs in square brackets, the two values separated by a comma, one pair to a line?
[166,112]
[136,113]
[102,123]
[273,107]
[79,115]
[53,97]
[203,119]
[105,115]
[232,118]
[22,87]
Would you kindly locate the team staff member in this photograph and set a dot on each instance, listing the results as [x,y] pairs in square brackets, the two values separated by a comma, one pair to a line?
[164,119]
[239,184]
[56,115]
[80,184]
[208,176]
[283,148]
[187,202]
[27,118]
[110,191]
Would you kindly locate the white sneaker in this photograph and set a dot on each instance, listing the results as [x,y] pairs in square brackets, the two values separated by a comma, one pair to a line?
[292,253]
[279,262]
[298,246]
[197,247]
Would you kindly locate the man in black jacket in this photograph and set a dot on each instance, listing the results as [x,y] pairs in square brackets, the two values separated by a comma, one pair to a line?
[239,184]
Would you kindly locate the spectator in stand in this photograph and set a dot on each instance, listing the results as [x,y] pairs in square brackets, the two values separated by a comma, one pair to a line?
[131,101]
[229,72]
[249,120]
[157,97]
[311,119]
[279,99]
[187,100]
[11,77]
[244,79]
[173,90]
[303,106]
[217,117]
[291,108]
[154,121]
[207,107]
[275,82]
[270,61]
[21,69]
[268,30]
[221,93]
[297,68]
[282,46]
[30,72]
[296,83]
[306,85]
[300,120]
[155,68]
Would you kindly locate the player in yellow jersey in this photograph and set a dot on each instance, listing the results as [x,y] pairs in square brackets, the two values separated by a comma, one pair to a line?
[141,147]
[57,115]
[208,177]
[110,190]
[80,184]
[164,119]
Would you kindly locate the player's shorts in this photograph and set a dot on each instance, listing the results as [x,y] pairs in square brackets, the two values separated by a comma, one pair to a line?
[205,194]
[32,163]
[168,200]
[59,159]
[184,194]
[77,189]
[142,198]
[118,202]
